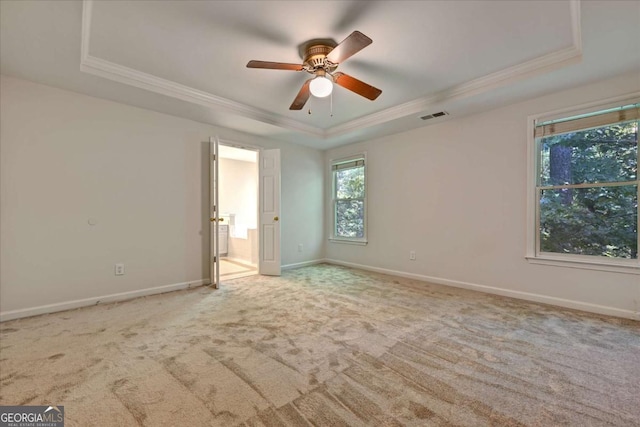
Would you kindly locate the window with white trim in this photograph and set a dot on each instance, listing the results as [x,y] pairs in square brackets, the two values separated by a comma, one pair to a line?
[349,199]
[587,187]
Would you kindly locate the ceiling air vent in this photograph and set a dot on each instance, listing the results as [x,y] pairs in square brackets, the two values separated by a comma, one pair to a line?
[434,115]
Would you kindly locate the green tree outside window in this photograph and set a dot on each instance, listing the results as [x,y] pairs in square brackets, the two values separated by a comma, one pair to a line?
[349,200]
[588,192]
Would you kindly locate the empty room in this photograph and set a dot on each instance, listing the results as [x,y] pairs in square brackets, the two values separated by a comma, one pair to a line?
[319,213]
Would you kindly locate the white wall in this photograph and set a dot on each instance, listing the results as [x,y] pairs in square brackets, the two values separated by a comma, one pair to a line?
[238,195]
[143,177]
[238,191]
[455,193]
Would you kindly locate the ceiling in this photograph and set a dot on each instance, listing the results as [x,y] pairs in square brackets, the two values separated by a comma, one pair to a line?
[188,58]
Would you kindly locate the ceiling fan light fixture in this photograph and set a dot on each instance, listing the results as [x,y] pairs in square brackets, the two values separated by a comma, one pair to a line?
[321,87]
[321,58]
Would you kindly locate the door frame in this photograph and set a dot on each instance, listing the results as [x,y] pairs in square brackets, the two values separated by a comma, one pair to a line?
[214,255]
[259,150]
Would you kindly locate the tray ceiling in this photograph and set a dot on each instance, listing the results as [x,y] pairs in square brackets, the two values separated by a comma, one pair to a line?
[425,56]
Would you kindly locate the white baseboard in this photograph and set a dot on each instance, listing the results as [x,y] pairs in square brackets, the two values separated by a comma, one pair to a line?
[68,305]
[302,264]
[578,305]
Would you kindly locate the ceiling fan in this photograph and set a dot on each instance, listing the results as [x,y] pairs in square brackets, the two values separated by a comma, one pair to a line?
[321,57]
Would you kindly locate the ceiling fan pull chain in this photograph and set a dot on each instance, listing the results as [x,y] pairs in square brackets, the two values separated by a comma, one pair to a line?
[331,112]
[319,58]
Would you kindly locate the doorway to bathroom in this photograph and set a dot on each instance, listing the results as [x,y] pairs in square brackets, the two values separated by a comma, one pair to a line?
[238,218]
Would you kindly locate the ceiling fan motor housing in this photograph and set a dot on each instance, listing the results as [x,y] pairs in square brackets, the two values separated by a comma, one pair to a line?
[316,58]
[321,57]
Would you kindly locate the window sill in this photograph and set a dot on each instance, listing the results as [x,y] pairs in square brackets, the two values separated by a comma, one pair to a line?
[348,242]
[587,264]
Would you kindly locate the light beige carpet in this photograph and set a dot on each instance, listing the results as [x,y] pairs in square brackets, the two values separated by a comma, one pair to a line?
[328,346]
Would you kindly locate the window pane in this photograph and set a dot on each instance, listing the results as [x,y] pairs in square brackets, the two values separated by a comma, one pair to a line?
[604,154]
[350,218]
[590,221]
[350,183]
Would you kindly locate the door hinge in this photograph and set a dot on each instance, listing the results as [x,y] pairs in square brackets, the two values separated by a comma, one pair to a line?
[213,157]
[214,259]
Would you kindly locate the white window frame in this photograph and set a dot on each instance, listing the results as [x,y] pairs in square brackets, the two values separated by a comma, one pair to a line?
[340,239]
[533,254]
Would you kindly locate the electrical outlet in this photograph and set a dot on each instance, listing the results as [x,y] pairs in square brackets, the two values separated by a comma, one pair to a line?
[412,255]
[119,270]
[300,247]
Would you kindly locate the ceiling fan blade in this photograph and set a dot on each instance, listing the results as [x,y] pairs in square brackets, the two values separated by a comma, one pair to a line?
[301,97]
[274,65]
[353,44]
[357,86]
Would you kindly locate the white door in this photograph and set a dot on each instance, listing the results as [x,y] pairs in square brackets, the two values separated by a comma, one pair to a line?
[269,212]
[214,209]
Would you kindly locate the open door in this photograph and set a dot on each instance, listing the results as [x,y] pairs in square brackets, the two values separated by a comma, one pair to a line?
[213,213]
[269,212]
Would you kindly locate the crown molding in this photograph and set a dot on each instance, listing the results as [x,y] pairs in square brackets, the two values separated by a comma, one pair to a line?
[537,66]
[576,28]
[116,72]
[131,77]
[534,67]
[87,11]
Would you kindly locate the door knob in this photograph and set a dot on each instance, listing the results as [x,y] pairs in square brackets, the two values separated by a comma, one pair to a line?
[275,218]
[212,219]
[220,219]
